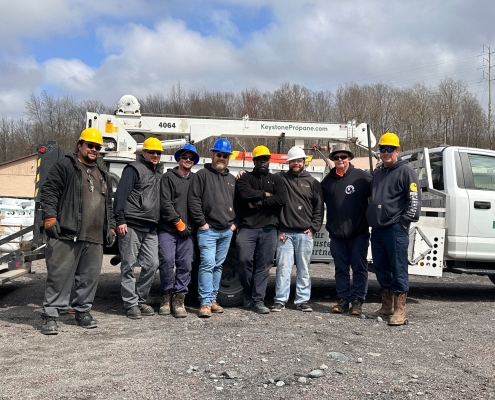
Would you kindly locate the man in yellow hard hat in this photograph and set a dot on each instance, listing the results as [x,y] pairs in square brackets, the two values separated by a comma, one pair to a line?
[78,221]
[395,202]
[137,212]
[259,198]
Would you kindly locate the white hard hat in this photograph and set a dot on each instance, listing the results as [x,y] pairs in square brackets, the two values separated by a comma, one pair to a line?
[295,153]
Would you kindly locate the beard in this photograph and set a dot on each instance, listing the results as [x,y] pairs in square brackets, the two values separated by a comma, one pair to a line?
[262,170]
[219,166]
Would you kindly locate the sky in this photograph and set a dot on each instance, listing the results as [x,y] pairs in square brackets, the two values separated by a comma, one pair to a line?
[102,50]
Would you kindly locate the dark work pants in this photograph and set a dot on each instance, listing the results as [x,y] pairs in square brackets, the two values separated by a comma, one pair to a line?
[389,248]
[177,251]
[351,253]
[255,253]
[69,263]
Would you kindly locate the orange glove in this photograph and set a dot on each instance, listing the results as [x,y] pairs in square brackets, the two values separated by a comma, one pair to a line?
[180,225]
[113,231]
[49,222]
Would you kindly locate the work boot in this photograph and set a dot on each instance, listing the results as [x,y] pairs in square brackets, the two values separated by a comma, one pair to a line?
[165,304]
[49,326]
[178,305]
[146,310]
[216,308]
[86,320]
[260,308]
[387,308]
[399,317]
[204,311]
[341,307]
[133,313]
[356,307]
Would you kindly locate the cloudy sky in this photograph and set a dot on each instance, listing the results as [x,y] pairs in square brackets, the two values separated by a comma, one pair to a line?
[103,49]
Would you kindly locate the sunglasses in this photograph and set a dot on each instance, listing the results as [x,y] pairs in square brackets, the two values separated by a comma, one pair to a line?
[340,157]
[387,149]
[188,158]
[92,146]
[222,155]
[154,152]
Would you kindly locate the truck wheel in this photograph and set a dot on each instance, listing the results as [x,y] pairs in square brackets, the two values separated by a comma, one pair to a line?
[492,278]
[230,292]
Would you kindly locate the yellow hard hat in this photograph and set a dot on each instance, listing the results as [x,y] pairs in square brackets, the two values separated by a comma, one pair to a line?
[152,143]
[92,135]
[389,139]
[261,151]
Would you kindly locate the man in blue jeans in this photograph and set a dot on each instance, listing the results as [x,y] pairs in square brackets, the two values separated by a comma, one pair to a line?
[395,202]
[259,197]
[211,207]
[345,192]
[300,218]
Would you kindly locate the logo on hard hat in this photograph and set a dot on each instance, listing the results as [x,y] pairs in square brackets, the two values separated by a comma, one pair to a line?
[349,189]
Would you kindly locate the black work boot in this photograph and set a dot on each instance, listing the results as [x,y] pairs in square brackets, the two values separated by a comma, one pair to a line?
[86,320]
[49,326]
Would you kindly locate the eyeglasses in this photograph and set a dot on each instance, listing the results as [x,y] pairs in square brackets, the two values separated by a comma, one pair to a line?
[154,152]
[336,158]
[222,155]
[387,149]
[92,146]
[188,158]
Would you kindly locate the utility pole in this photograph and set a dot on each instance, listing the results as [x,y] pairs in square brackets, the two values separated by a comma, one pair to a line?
[490,138]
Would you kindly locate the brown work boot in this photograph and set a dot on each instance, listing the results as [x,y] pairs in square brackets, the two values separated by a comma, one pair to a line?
[216,308]
[204,311]
[178,308]
[387,308]
[399,317]
[165,304]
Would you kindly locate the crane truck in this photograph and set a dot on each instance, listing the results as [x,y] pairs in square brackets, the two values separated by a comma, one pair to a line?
[456,230]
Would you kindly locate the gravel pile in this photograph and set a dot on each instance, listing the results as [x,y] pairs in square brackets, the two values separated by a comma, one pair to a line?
[446,351]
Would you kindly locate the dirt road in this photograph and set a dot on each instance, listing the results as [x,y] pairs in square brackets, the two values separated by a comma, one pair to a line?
[446,352]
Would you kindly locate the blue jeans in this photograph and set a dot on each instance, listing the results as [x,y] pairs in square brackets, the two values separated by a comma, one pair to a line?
[351,252]
[298,247]
[389,248]
[255,252]
[213,248]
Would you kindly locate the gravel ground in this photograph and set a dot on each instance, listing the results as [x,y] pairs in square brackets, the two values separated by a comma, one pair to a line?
[446,351]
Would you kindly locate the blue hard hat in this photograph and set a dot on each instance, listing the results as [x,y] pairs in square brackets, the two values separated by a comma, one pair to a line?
[187,147]
[222,145]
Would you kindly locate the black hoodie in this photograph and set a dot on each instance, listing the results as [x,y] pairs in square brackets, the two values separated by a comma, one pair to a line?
[211,198]
[346,198]
[394,196]
[174,189]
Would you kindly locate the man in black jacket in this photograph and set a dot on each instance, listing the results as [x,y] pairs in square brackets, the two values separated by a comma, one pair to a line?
[176,247]
[395,202]
[137,211]
[211,207]
[78,221]
[259,197]
[345,192]
[300,218]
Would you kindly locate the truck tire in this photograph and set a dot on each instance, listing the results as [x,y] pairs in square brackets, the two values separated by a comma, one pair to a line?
[230,292]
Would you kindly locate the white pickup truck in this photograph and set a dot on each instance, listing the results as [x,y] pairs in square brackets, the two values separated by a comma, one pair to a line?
[456,230]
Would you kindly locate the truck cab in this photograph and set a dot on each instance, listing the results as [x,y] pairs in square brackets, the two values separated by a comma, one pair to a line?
[458,186]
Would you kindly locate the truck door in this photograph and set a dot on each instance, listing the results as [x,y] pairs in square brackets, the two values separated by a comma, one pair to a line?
[479,178]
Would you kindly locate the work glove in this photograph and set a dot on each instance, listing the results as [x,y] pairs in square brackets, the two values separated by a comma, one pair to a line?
[52,228]
[180,225]
[111,237]
[186,232]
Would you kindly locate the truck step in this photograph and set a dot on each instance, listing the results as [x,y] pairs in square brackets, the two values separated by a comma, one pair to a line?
[473,271]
